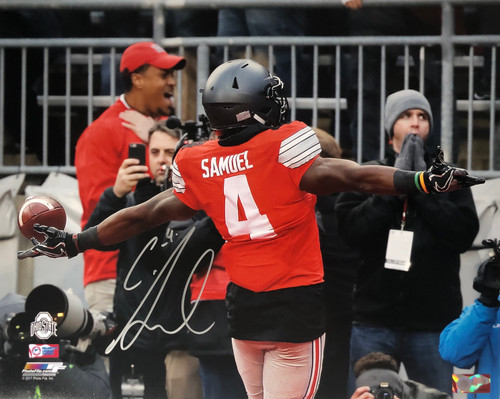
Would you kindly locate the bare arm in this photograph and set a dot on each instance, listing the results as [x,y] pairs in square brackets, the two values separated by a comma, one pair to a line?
[329,175]
[134,220]
[118,227]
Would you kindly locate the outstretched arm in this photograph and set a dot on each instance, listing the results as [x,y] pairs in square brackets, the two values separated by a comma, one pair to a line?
[119,227]
[137,219]
[328,175]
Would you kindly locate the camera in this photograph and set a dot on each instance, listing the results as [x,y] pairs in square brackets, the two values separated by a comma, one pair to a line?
[383,391]
[491,265]
[48,346]
[73,320]
[194,131]
[495,245]
[53,314]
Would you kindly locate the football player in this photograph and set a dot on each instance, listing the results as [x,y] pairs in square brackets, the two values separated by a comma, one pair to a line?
[258,182]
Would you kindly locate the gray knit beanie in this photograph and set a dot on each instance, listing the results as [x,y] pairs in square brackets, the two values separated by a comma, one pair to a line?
[401,101]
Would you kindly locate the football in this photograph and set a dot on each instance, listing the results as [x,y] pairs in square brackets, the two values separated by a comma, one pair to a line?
[42,210]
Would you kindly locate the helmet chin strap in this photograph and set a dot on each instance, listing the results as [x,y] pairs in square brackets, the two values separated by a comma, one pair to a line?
[259,119]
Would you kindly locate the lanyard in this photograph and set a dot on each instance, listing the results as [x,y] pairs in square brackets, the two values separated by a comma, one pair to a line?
[403,217]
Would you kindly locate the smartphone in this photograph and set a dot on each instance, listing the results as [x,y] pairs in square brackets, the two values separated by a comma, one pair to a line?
[137,151]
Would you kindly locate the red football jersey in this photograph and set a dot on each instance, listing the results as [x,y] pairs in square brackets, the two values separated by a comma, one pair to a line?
[251,192]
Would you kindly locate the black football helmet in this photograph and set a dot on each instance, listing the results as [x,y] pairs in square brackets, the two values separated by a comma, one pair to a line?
[242,92]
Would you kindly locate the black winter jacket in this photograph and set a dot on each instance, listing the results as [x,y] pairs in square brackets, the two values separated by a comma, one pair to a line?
[428,296]
[150,276]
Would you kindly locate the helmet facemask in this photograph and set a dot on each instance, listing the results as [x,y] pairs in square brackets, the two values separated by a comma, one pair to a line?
[276,113]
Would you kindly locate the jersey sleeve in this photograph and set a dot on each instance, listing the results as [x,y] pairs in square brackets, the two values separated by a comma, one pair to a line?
[179,184]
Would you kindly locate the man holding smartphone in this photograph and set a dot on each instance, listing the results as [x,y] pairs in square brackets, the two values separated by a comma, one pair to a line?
[158,357]
[148,74]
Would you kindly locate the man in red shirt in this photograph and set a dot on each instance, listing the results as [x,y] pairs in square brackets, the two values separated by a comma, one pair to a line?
[258,184]
[148,74]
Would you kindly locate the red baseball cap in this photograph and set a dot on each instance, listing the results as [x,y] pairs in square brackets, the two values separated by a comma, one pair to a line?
[142,53]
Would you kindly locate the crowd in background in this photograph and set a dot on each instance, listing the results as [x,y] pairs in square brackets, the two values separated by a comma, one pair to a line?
[350,254]
[300,22]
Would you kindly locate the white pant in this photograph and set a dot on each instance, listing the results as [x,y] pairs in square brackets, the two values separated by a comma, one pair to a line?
[279,370]
[183,378]
[99,295]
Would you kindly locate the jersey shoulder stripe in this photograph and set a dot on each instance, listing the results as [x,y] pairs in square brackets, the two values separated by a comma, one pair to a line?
[177,181]
[299,148]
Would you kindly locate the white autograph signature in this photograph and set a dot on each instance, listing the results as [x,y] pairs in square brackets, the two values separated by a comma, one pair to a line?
[172,260]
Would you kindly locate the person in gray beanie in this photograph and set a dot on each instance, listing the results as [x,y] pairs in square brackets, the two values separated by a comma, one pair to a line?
[401,306]
[401,101]
[414,111]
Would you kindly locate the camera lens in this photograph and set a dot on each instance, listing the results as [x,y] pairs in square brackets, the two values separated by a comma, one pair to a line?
[18,327]
[66,309]
[383,393]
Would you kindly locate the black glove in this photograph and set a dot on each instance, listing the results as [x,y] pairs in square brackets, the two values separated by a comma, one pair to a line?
[440,175]
[487,282]
[412,154]
[57,244]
